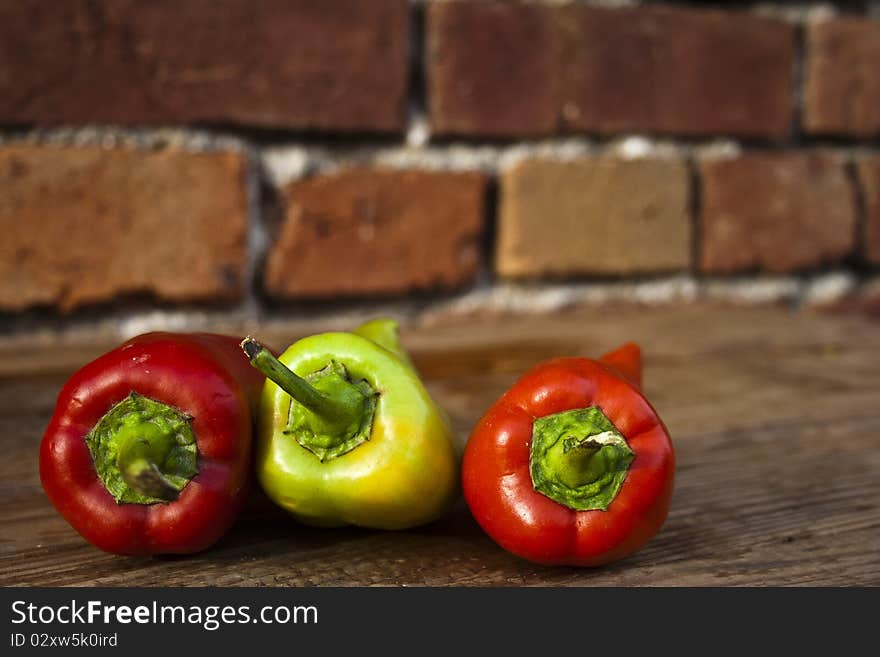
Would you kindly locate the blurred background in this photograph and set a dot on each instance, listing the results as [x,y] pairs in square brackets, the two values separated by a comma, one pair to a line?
[174,165]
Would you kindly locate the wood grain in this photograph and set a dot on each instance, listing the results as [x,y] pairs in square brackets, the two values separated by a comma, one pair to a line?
[774,415]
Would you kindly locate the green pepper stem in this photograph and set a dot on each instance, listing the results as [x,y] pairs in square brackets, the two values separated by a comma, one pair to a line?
[139,469]
[337,409]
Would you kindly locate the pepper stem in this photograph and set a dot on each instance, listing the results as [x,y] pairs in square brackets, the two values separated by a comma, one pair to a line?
[332,416]
[138,458]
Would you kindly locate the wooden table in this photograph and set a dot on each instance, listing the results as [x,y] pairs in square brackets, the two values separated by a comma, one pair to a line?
[775,418]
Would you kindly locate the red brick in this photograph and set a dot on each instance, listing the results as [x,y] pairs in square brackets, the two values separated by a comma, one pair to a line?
[676,71]
[377,231]
[595,215]
[843,77]
[82,225]
[868,169]
[778,212]
[506,69]
[491,69]
[302,64]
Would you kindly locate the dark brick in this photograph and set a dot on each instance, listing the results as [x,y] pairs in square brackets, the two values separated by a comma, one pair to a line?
[675,71]
[491,69]
[778,212]
[868,168]
[303,64]
[843,77]
[83,225]
[377,231]
[506,69]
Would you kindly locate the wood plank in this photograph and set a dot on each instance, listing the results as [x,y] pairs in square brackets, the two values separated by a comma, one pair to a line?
[774,416]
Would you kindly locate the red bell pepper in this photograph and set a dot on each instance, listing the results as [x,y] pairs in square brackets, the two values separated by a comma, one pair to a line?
[572,465]
[148,450]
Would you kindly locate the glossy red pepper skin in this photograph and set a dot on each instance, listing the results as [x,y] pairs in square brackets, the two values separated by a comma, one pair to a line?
[202,375]
[495,471]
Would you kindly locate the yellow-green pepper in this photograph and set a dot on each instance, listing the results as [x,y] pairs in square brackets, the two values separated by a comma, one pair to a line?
[347,433]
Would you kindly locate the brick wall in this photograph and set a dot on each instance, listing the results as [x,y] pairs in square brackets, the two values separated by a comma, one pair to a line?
[262,159]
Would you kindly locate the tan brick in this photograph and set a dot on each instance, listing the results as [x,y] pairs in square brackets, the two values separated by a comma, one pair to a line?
[302,64]
[595,215]
[778,212]
[868,168]
[508,69]
[377,231]
[83,225]
[842,73]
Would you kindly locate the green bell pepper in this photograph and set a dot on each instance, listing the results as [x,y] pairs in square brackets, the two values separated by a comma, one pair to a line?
[347,433]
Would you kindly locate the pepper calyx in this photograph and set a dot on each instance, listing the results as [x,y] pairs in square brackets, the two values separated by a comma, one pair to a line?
[331,439]
[144,451]
[579,459]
